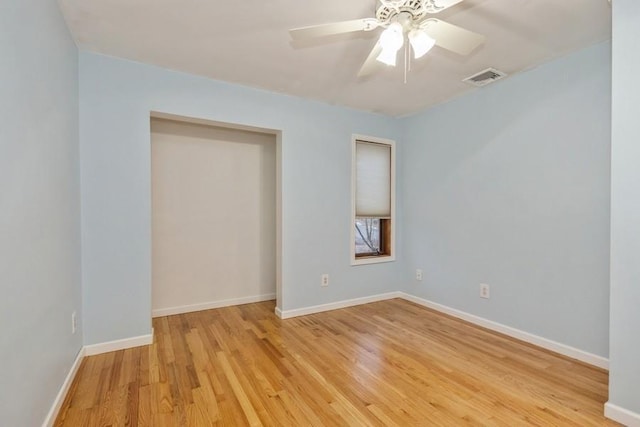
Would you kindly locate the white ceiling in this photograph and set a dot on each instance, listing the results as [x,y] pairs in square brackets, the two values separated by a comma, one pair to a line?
[247,42]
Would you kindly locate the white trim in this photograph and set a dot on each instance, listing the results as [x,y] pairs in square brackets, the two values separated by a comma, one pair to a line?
[621,415]
[90,350]
[286,314]
[62,393]
[566,350]
[374,260]
[614,412]
[563,349]
[106,347]
[201,121]
[211,304]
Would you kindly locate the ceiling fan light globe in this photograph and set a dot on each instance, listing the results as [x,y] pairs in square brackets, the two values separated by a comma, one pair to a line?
[388,56]
[392,38]
[420,42]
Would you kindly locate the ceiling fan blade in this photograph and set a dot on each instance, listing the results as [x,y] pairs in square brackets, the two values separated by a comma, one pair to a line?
[366,24]
[452,37]
[440,5]
[370,64]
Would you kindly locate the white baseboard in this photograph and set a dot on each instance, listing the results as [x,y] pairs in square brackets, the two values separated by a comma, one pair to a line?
[621,415]
[105,347]
[286,314]
[62,394]
[566,350]
[169,311]
[629,418]
[90,350]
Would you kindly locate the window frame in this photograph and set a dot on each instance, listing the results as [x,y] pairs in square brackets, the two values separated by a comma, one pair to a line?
[391,222]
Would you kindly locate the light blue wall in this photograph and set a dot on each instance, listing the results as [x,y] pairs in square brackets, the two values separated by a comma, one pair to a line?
[509,186]
[116,97]
[624,378]
[39,208]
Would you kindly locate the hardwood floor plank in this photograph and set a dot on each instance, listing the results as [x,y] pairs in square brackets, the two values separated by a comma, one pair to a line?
[239,392]
[390,363]
[144,405]
[207,397]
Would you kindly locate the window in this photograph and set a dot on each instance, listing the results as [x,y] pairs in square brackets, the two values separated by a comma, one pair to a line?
[373,200]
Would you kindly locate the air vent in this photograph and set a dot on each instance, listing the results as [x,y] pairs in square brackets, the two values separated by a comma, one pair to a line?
[485,77]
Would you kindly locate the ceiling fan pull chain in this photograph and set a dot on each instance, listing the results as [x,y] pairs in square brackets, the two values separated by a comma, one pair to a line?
[406,61]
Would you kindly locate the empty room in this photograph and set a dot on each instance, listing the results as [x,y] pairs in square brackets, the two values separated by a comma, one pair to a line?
[336,213]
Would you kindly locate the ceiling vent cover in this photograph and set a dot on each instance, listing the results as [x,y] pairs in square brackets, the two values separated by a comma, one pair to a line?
[485,77]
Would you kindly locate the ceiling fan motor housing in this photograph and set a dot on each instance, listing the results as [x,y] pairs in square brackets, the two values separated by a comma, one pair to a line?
[416,9]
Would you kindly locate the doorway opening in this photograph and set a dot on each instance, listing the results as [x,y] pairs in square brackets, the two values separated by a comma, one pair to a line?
[215,214]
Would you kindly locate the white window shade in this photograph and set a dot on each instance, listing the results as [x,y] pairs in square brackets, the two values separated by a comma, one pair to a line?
[373,180]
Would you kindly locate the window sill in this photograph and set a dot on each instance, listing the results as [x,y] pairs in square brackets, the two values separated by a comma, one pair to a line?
[372,260]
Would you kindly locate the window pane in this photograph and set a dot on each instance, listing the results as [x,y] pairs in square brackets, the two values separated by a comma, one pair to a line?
[367,236]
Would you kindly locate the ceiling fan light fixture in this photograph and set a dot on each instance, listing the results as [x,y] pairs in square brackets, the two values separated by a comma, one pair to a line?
[388,56]
[391,40]
[421,43]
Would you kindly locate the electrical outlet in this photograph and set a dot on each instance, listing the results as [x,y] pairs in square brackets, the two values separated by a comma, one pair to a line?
[324,280]
[74,323]
[485,291]
[418,274]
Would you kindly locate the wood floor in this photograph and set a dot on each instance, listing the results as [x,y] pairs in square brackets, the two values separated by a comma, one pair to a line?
[391,363]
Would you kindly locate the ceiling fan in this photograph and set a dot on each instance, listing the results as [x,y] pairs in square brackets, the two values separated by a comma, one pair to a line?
[402,20]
